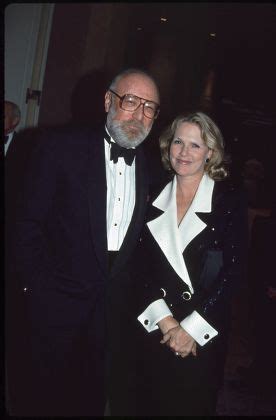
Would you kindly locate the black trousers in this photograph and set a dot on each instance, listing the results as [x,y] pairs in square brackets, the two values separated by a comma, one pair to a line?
[121,362]
[63,374]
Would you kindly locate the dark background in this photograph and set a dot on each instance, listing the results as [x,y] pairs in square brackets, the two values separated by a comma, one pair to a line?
[91,42]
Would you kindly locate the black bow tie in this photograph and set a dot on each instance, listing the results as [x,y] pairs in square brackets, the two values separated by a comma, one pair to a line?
[6,139]
[117,151]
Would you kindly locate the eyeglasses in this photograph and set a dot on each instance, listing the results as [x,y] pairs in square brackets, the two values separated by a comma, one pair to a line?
[131,103]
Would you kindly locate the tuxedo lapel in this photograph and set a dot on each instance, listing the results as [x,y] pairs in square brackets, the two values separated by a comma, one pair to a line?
[192,224]
[96,190]
[173,239]
[165,231]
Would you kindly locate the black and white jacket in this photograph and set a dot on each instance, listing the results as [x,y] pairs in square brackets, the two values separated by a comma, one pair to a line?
[191,271]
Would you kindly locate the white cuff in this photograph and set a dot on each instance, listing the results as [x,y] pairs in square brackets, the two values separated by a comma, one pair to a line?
[198,328]
[156,311]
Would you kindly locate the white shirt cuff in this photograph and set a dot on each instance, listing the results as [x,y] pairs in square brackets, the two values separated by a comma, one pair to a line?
[198,328]
[156,311]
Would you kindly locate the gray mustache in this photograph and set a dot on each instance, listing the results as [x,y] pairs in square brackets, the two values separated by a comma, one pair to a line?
[136,124]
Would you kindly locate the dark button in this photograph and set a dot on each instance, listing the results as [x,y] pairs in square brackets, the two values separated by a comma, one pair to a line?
[206,336]
[146,321]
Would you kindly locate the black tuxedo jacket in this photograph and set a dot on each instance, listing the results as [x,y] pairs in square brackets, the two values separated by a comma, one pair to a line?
[61,242]
[14,164]
[60,256]
[15,169]
[215,258]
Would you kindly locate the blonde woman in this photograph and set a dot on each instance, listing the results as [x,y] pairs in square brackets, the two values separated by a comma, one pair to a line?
[189,263]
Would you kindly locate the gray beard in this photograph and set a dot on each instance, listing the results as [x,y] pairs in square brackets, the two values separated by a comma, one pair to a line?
[122,134]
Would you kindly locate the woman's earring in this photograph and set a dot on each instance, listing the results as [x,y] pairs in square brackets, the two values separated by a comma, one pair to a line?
[207,160]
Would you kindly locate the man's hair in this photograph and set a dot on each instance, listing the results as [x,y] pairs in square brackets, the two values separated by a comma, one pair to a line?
[15,109]
[131,71]
[211,136]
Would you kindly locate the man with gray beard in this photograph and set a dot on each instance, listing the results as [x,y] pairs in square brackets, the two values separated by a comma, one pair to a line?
[132,104]
[81,214]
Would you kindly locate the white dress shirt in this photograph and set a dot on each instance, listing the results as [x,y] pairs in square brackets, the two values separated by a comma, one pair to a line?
[121,193]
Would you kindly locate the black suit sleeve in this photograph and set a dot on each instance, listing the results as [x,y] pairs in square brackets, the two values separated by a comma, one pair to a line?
[31,251]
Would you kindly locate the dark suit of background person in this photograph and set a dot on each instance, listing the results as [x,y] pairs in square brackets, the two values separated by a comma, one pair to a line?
[16,152]
[61,252]
[15,155]
[215,236]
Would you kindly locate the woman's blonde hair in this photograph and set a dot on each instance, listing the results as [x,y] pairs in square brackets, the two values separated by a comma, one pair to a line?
[211,136]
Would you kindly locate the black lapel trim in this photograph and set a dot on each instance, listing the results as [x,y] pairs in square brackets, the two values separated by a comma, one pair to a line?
[154,212]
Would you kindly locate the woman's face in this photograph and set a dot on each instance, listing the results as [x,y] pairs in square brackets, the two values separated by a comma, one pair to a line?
[188,152]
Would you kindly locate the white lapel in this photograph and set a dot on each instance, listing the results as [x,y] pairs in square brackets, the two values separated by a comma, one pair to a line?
[191,225]
[171,239]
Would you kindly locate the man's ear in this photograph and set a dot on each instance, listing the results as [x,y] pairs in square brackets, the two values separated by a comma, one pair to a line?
[107,101]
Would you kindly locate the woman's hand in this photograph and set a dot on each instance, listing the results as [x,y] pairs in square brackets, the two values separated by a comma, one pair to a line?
[167,323]
[180,341]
